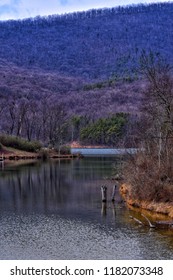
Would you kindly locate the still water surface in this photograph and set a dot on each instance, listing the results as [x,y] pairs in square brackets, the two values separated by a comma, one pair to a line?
[53,210]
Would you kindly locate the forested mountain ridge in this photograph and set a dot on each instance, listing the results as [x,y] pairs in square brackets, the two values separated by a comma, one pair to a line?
[76,76]
[96,44]
[79,97]
[34,81]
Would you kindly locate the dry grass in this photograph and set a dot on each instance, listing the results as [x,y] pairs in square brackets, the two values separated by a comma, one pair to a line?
[149,182]
[14,154]
[165,208]
[10,153]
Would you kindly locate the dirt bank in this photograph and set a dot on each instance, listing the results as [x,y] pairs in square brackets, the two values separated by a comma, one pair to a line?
[14,154]
[165,208]
[76,144]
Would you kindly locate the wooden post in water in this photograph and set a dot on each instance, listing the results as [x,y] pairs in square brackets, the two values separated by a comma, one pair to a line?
[113,209]
[2,162]
[104,193]
[113,192]
[103,211]
[2,157]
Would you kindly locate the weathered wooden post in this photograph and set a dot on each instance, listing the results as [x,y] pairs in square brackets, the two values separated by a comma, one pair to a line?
[113,192]
[104,193]
[113,209]
[2,162]
[103,211]
[2,157]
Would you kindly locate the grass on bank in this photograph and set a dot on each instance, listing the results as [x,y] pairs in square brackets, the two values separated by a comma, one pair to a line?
[147,181]
[19,143]
[11,146]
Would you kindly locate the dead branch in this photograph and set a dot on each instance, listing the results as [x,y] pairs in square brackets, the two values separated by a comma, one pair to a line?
[136,220]
[150,224]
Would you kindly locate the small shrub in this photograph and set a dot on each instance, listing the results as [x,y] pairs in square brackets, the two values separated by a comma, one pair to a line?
[147,181]
[65,150]
[20,143]
[44,154]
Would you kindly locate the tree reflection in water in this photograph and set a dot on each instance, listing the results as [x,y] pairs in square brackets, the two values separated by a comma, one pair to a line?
[48,186]
[34,186]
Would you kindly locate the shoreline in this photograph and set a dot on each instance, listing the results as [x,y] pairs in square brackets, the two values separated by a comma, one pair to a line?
[165,208]
[14,154]
[36,157]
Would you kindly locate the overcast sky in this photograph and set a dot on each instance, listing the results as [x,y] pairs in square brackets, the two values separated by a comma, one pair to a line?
[15,9]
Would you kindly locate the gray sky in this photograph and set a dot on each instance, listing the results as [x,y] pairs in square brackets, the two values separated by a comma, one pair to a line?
[15,9]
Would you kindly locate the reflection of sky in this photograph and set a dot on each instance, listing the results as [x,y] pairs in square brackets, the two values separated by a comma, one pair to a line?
[14,9]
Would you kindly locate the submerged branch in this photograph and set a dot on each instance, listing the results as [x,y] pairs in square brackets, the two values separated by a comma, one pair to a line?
[136,220]
[150,224]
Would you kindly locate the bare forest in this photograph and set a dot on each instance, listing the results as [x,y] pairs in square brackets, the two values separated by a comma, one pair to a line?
[78,77]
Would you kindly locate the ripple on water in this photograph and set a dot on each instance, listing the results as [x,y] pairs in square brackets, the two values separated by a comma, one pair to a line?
[54,237]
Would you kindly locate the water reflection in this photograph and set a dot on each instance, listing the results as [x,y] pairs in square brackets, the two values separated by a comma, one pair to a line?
[105,205]
[53,210]
[48,186]
[37,186]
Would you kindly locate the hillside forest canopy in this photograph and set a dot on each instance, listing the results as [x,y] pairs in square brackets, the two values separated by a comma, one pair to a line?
[78,77]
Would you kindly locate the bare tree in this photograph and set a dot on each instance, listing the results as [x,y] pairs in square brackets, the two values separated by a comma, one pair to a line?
[57,124]
[30,120]
[150,171]
[158,104]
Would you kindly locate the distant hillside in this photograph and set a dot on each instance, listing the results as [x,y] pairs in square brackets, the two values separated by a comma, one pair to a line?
[32,82]
[96,44]
[52,108]
[79,97]
[67,78]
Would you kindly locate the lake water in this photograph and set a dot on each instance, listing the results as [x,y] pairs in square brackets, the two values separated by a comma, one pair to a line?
[102,151]
[53,210]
